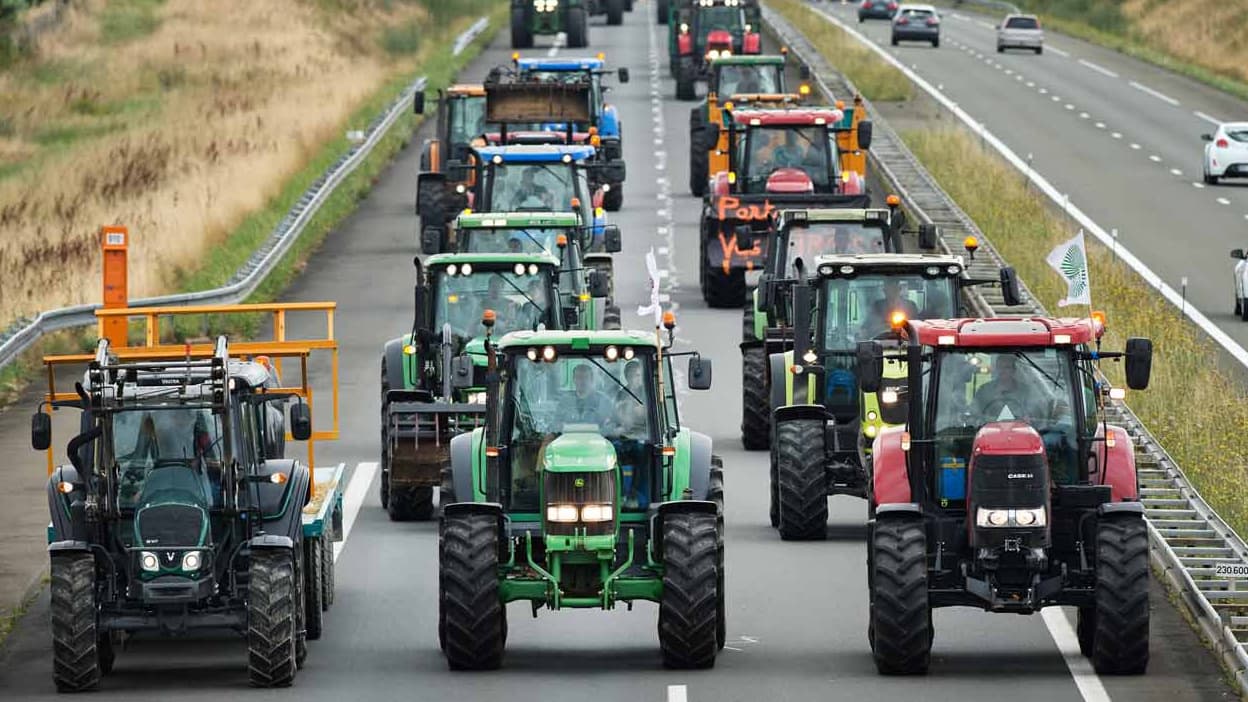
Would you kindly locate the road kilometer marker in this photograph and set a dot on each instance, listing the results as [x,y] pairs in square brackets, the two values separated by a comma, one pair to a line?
[1231,570]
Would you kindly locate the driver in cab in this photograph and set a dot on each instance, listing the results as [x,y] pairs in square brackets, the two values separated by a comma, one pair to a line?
[586,404]
[1007,396]
[881,312]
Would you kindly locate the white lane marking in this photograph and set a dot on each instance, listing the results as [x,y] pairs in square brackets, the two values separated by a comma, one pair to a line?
[1100,125]
[1198,185]
[677,693]
[1208,118]
[353,499]
[1057,98]
[1160,96]
[1084,115]
[560,38]
[1176,172]
[1223,201]
[984,24]
[1070,106]
[1031,84]
[1090,686]
[1059,52]
[1043,91]
[1116,135]
[1135,146]
[1155,158]
[1099,69]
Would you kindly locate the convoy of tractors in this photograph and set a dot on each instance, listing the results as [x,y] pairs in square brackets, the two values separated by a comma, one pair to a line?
[547,441]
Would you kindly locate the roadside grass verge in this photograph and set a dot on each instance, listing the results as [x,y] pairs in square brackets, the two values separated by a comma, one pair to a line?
[1194,408]
[877,80]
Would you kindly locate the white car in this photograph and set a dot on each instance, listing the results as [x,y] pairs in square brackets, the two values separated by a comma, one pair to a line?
[1226,152]
[1020,32]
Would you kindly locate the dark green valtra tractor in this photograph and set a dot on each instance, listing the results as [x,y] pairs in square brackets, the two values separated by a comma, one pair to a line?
[583,490]
[535,17]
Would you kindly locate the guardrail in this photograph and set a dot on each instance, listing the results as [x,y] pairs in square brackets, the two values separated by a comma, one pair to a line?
[1192,549]
[25,332]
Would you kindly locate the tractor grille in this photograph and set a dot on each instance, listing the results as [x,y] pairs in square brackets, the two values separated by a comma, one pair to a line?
[580,489]
[170,525]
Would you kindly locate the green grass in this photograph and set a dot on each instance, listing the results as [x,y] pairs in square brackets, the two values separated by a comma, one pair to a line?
[125,20]
[877,80]
[405,39]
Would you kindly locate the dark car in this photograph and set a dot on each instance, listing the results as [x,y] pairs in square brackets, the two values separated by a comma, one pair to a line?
[916,23]
[876,9]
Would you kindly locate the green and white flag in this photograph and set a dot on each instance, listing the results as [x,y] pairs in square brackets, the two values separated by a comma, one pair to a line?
[1070,260]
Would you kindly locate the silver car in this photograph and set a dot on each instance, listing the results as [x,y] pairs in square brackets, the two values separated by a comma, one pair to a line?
[1020,32]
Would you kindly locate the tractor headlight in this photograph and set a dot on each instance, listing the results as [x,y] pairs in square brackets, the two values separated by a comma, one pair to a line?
[192,560]
[561,513]
[149,562]
[992,517]
[597,513]
[989,518]
[476,398]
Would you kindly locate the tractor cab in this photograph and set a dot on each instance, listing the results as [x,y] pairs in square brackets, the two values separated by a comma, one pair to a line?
[735,76]
[707,30]
[447,156]
[1007,469]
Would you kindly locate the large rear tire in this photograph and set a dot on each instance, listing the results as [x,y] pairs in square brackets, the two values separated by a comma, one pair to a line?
[314,587]
[755,400]
[578,28]
[802,482]
[615,12]
[664,9]
[1120,634]
[272,618]
[900,614]
[715,493]
[329,581]
[689,605]
[384,480]
[699,161]
[472,618]
[685,80]
[521,37]
[76,664]
[613,199]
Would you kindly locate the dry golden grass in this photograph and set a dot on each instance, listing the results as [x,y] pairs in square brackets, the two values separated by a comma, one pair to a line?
[1193,408]
[1209,33]
[179,132]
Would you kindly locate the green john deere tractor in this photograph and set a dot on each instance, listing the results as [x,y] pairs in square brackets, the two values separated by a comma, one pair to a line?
[551,17]
[432,378]
[821,423]
[582,490]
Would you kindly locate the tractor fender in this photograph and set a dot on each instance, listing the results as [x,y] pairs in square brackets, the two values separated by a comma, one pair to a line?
[396,363]
[699,480]
[462,465]
[890,481]
[1120,509]
[791,413]
[69,546]
[613,150]
[281,504]
[778,368]
[1118,463]
[490,508]
[609,123]
[659,512]
[271,541]
[431,156]
[58,503]
[898,509]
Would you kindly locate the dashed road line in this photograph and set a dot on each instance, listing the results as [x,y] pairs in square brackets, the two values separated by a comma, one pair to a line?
[1059,52]
[1208,118]
[1198,185]
[1099,69]
[1116,135]
[1223,201]
[1154,158]
[1090,686]
[1176,172]
[677,693]
[1160,96]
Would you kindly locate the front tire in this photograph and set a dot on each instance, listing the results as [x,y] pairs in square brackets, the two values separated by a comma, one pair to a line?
[1120,635]
[664,9]
[76,659]
[685,79]
[755,400]
[471,616]
[722,289]
[613,199]
[615,12]
[272,618]
[900,614]
[314,588]
[411,504]
[715,493]
[521,37]
[689,605]
[801,480]
[578,28]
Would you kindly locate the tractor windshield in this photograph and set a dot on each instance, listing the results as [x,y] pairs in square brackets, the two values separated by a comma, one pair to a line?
[511,240]
[859,308]
[709,19]
[532,187]
[772,154]
[175,439]
[823,238]
[575,393]
[974,388]
[466,118]
[737,79]
[520,301]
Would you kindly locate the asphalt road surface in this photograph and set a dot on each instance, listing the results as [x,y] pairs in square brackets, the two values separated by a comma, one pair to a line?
[797,611]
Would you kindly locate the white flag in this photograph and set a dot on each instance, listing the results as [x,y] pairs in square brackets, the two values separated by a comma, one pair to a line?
[655,307]
[1070,260]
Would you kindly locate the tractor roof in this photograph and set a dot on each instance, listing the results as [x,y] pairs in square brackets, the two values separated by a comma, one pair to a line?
[536,153]
[484,220]
[1024,332]
[795,116]
[466,90]
[502,259]
[560,64]
[831,264]
[577,340]
[748,60]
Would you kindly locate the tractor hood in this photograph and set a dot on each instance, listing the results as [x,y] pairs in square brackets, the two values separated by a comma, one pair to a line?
[581,449]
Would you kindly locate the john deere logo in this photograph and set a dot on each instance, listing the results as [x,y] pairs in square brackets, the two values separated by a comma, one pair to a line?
[579,482]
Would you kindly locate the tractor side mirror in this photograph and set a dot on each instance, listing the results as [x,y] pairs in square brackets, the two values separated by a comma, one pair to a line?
[622,75]
[611,239]
[40,431]
[418,102]
[1237,253]
[431,241]
[301,421]
[1139,362]
[599,284]
[1011,293]
[1206,137]
[462,372]
[865,129]
[928,234]
[420,321]
[803,72]
[699,373]
[870,358]
[764,292]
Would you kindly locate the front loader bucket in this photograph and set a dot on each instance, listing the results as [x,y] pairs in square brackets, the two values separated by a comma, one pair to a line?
[420,436]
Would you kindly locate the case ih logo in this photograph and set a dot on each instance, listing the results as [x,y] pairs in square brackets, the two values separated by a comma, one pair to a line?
[1020,476]
[730,208]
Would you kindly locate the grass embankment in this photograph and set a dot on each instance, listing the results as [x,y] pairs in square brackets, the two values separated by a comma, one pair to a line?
[182,120]
[1203,39]
[1193,408]
[877,80]
[226,255]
